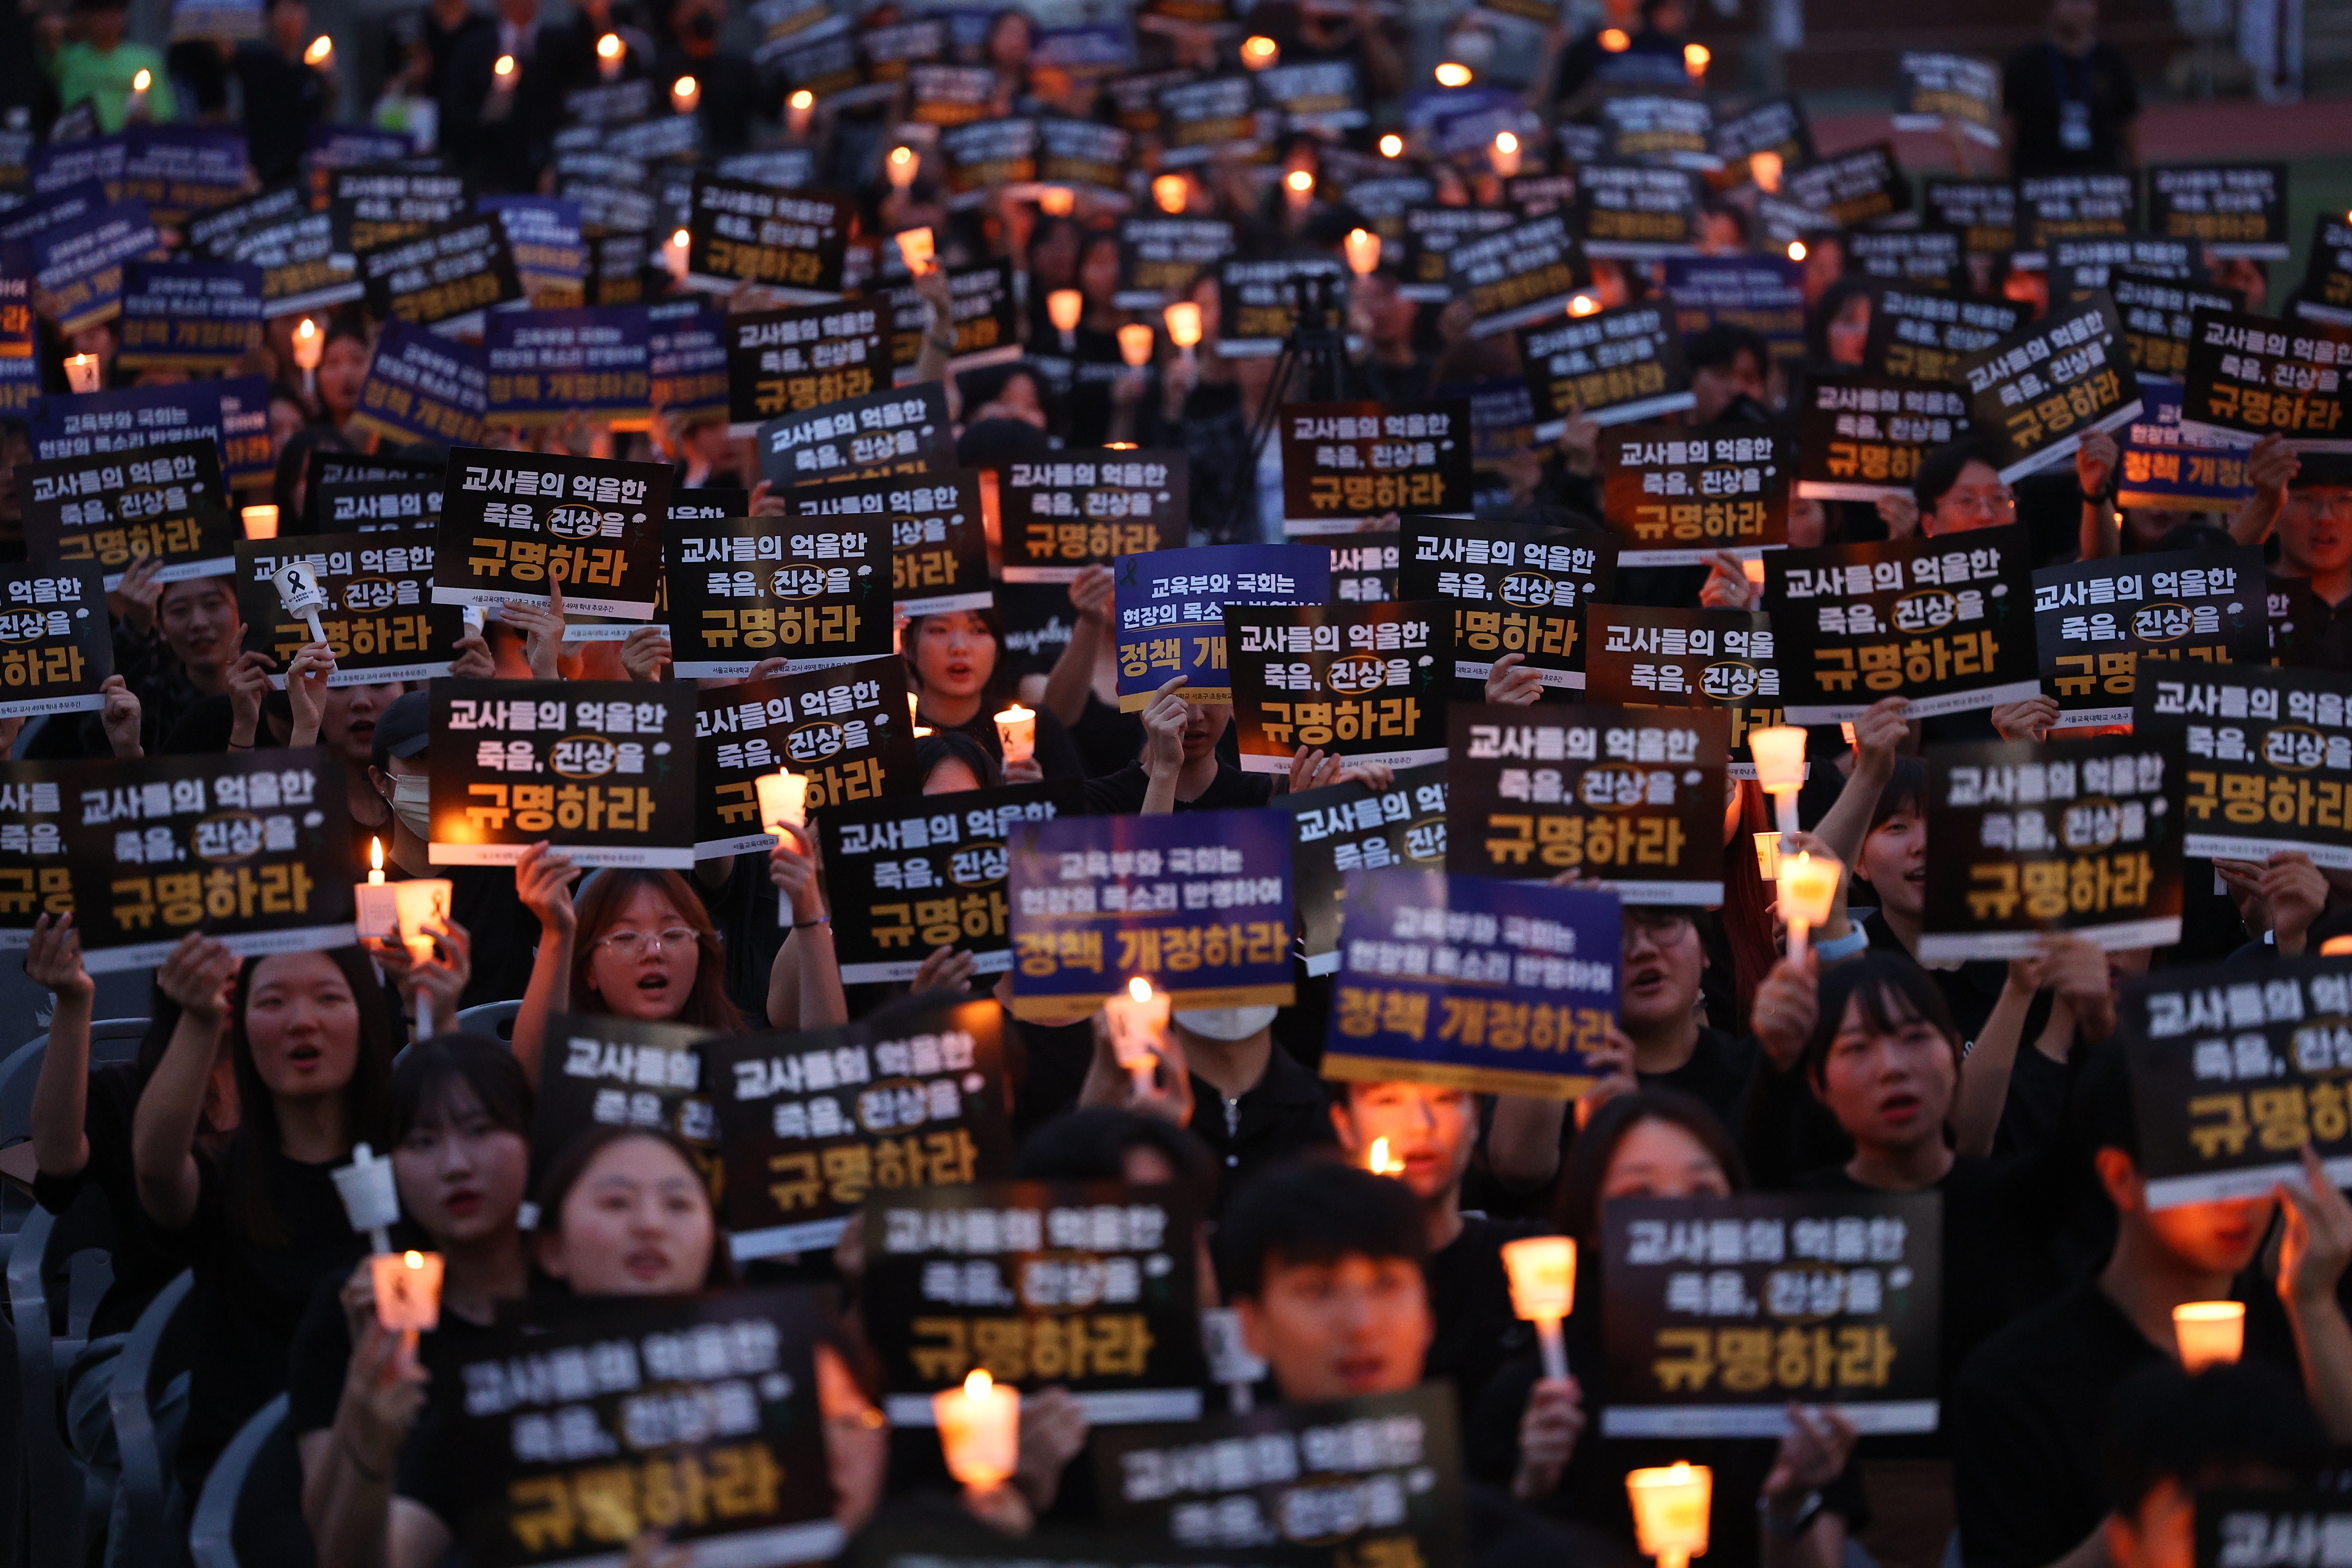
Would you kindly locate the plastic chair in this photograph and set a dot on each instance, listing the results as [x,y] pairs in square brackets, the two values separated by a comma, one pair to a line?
[485,1018]
[212,1528]
[144,1464]
[57,1261]
[110,1040]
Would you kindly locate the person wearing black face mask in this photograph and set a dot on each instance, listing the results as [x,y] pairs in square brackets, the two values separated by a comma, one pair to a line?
[728,81]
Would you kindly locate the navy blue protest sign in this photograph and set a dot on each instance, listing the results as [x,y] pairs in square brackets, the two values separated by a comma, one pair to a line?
[182,170]
[235,414]
[1171,610]
[78,265]
[2166,466]
[189,315]
[1199,903]
[1765,294]
[20,372]
[546,366]
[421,386]
[686,356]
[1471,982]
[551,252]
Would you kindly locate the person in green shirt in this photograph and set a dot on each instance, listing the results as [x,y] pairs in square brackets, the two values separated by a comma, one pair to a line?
[98,66]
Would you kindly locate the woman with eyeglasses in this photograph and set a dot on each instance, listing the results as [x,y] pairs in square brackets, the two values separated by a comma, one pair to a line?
[638,945]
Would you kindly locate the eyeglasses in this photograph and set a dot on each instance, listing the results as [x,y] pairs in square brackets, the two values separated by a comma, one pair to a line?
[1988,501]
[628,946]
[1661,926]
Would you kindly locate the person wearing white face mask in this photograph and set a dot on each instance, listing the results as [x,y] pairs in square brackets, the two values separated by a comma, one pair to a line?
[1222,1075]
[482,898]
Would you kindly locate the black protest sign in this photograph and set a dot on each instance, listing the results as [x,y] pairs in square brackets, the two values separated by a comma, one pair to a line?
[2159,319]
[1637,210]
[845,729]
[983,320]
[368,506]
[301,268]
[1633,795]
[2068,207]
[373,204]
[2233,1072]
[1374,1480]
[696,1417]
[1351,827]
[2268,753]
[911,875]
[813,1124]
[1920,335]
[2326,291]
[379,619]
[1085,1284]
[2075,836]
[949,95]
[514,523]
[2095,620]
[1257,301]
[939,545]
[1160,258]
[1940,91]
[1687,659]
[251,849]
[108,509]
[1984,211]
[814,590]
[1722,1313]
[1675,131]
[1675,494]
[986,156]
[1214,118]
[1517,587]
[1364,568]
[1919,257]
[1319,96]
[216,232]
[1851,188]
[1430,236]
[1945,623]
[2034,395]
[36,879]
[1368,681]
[57,641]
[1082,154]
[606,1072]
[904,430]
[2248,1527]
[2250,376]
[1078,508]
[2232,209]
[449,273]
[1613,367]
[602,770]
[1863,436]
[1343,462]
[1775,125]
[740,231]
[2076,266]
[791,361]
[1518,274]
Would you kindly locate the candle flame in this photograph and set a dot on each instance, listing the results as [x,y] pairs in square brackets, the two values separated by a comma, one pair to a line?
[1796,250]
[306,329]
[1380,1162]
[506,65]
[322,47]
[1259,52]
[1506,143]
[413,1259]
[1583,304]
[375,854]
[1300,180]
[139,83]
[1696,58]
[803,98]
[1139,988]
[1679,1471]
[686,87]
[978,1385]
[1391,145]
[902,156]
[608,48]
[1614,40]
[681,239]
[1453,73]
[1167,190]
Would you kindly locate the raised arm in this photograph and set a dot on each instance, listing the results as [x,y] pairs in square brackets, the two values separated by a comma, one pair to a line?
[2095,461]
[1985,1076]
[198,976]
[543,884]
[1876,733]
[1073,672]
[61,1094]
[1163,748]
[2312,1255]
[2271,466]
[804,987]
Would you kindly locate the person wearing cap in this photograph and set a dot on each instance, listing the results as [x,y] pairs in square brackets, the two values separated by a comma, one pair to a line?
[481,898]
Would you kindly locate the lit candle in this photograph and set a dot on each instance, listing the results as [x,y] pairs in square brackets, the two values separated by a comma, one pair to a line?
[371,1197]
[1780,753]
[377,913]
[1259,52]
[1058,201]
[2208,1334]
[1391,145]
[407,1290]
[783,801]
[1670,1512]
[1134,344]
[798,110]
[135,106]
[1767,856]
[1380,1162]
[500,102]
[299,594]
[980,1428]
[376,862]
[609,50]
[82,372]
[1184,320]
[1543,1291]
[1796,250]
[260,522]
[1809,885]
[1752,568]
[1453,73]
[916,249]
[901,166]
[1505,154]
[685,95]
[1695,60]
[2335,947]
[1016,731]
[1138,1023]
[674,255]
[914,707]
[321,51]
[309,348]
[1764,168]
[1583,304]
[1168,191]
[422,900]
[1363,248]
[1299,187]
[1063,308]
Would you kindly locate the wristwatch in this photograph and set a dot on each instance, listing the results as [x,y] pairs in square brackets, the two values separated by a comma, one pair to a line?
[1809,1507]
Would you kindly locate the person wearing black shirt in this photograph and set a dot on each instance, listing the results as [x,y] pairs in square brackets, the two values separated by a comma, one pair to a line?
[961,674]
[1180,770]
[501,130]
[1425,1137]
[1391,370]
[1082,690]
[284,97]
[2070,99]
